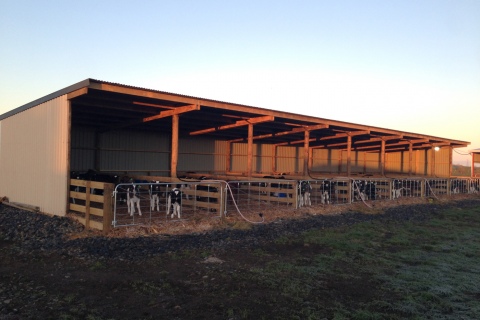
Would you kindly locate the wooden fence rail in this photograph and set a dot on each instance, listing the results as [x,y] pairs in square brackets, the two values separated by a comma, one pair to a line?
[91,201]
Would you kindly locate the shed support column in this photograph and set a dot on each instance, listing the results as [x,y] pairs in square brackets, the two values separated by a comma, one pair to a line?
[410,158]
[349,154]
[310,159]
[229,158]
[274,159]
[472,168]
[382,159]
[306,153]
[450,161]
[250,150]
[174,151]
[432,159]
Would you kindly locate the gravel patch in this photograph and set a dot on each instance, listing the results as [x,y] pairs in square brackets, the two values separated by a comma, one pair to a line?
[31,231]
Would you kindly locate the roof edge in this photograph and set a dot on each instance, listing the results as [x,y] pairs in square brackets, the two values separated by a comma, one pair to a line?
[56,94]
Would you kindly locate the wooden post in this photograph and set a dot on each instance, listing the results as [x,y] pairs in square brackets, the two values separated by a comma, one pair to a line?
[472,169]
[107,207]
[349,154]
[87,205]
[310,158]
[250,150]
[174,151]
[382,159]
[274,159]
[450,161]
[229,157]
[432,164]
[410,158]
[305,153]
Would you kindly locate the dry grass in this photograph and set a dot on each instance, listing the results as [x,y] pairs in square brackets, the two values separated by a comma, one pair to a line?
[204,222]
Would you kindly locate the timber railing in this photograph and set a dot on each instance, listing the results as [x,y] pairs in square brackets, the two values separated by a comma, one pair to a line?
[91,203]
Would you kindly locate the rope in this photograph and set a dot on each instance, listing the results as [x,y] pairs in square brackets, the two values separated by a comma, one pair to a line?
[430,187]
[235,203]
[360,193]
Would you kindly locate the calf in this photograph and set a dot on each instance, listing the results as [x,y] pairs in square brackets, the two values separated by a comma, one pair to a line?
[174,201]
[155,193]
[397,189]
[132,200]
[305,190]
[327,190]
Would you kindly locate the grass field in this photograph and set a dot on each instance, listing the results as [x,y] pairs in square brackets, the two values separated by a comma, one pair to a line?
[386,268]
[374,270]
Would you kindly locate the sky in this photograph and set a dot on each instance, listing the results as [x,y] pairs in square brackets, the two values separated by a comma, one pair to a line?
[407,65]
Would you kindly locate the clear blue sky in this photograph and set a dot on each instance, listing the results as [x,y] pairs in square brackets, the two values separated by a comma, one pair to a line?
[410,65]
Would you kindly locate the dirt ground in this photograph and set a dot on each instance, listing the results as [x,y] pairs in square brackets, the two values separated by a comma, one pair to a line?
[203,283]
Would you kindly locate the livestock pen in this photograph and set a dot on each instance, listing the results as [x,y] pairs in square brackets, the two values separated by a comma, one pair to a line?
[103,206]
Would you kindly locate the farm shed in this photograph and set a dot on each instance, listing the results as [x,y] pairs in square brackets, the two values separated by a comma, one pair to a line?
[121,129]
[475,162]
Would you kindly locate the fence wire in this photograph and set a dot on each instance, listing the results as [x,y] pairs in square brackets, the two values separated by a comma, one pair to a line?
[219,197]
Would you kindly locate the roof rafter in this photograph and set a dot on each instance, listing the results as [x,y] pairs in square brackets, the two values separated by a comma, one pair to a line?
[238,123]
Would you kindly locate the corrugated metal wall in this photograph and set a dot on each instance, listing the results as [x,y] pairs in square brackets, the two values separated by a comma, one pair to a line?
[145,153]
[203,155]
[34,159]
[324,160]
[288,159]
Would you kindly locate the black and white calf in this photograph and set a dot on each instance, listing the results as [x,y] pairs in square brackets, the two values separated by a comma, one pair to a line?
[174,202]
[155,193]
[473,186]
[327,190]
[397,189]
[133,200]
[305,189]
[364,190]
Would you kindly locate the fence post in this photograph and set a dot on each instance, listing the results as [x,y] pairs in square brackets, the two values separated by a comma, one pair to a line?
[107,207]
[87,205]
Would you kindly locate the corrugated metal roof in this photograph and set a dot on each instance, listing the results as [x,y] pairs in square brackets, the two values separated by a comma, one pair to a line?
[110,105]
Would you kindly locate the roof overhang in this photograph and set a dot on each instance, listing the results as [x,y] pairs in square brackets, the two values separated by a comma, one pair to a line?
[109,106]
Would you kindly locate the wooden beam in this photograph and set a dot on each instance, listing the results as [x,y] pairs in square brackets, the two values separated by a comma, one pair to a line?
[238,123]
[306,153]
[349,154]
[382,158]
[174,151]
[346,134]
[250,150]
[153,105]
[162,114]
[77,93]
[283,133]
[378,139]
[289,143]
[169,113]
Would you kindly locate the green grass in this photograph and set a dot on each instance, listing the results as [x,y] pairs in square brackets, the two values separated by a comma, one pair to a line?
[379,270]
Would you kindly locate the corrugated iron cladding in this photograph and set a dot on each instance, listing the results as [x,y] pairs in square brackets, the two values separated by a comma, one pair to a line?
[35,158]
[204,155]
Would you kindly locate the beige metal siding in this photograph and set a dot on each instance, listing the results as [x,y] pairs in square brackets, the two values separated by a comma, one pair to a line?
[325,160]
[394,162]
[290,159]
[239,157]
[203,155]
[442,162]
[372,162]
[34,157]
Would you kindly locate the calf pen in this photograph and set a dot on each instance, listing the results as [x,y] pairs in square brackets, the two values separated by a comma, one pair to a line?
[103,205]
